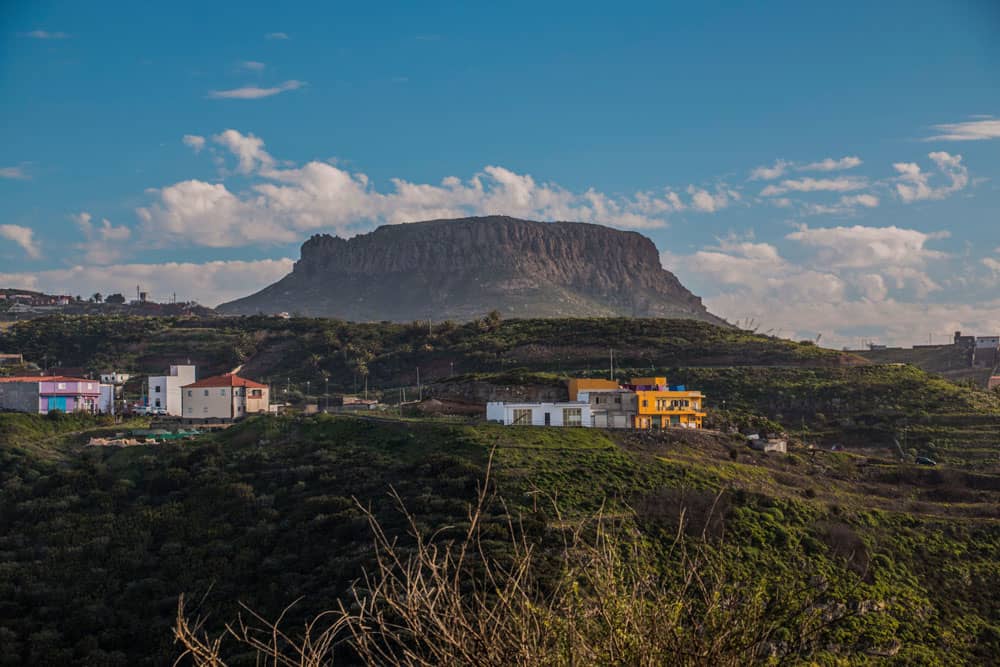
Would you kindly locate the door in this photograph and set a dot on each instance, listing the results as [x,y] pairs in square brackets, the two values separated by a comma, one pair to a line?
[548,419]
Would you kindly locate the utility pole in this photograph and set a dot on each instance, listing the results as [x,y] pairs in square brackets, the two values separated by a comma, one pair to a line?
[612,364]
[420,391]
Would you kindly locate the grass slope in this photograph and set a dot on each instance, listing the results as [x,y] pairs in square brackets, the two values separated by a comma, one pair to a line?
[94,549]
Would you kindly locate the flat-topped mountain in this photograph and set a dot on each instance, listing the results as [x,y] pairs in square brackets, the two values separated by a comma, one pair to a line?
[464,268]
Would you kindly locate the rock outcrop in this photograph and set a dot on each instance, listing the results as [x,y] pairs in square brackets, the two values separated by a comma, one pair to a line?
[462,269]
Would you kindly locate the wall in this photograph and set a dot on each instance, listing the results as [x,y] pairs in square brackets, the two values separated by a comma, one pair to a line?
[254,405]
[20,396]
[504,412]
[219,403]
[170,388]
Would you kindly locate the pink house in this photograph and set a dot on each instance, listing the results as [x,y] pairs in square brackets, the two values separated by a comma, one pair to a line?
[42,394]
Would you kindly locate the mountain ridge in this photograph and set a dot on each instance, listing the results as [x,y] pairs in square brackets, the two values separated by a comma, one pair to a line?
[463,268]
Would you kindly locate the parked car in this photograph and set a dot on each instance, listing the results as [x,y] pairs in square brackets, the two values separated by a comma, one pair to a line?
[924,461]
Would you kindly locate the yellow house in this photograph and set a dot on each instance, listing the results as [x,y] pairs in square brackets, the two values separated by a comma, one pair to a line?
[659,406]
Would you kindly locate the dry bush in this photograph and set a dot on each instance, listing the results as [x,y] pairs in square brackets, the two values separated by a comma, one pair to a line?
[453,602]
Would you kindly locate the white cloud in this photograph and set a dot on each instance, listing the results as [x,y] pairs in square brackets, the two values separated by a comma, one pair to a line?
[868,247]
[254,92]
[247,148]
[913,184]
[16,173]
[282,203]
[850,279]
[46,34]
[210,283]
[252,65]
[993,265]
[708,202]
[843,184]
[24,237]
[973,130]
[103,243]
[276,35]
[194,141]
[872,286]
[829,164]
[764,173]
[781,167]
[868,201]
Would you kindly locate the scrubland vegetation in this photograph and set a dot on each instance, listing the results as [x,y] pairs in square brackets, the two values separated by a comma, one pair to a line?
[588,546]
[97,548]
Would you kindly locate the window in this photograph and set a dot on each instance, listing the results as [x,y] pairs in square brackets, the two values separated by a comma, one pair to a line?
[572,417]
[618,400]
[189,392]
[256,393]
[156,389]
[62,385]
[90,385]
[190,409]
[222,392]
[204,408]
[645,403]
[158,403]
[206,392]
[522,417]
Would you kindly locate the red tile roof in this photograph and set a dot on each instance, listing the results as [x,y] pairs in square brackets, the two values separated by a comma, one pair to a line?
[227,380]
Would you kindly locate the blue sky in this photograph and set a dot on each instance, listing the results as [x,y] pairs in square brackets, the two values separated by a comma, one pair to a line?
[822,169]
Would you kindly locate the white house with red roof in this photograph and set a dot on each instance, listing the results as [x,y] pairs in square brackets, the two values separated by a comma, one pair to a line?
[223,398]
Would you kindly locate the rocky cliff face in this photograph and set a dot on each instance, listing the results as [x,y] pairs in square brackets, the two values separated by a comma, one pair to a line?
[461,269]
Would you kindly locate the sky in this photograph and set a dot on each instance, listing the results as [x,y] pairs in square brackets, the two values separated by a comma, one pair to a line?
[810,169]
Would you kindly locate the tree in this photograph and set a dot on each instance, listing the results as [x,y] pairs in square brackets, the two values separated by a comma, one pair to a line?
[115,298]
[97,297]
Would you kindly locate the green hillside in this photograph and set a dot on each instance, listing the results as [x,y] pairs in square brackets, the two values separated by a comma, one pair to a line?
[95,549]
[307,349]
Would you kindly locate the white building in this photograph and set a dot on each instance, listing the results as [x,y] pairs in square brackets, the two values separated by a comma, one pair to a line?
[569,413]
[164,391]
[987,342]
[225,398]
[115,378]
[106,404]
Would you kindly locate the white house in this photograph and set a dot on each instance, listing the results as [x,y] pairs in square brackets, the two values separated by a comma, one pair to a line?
[987,342]
[164,391]
[569,413]
[224,397]
[115,378]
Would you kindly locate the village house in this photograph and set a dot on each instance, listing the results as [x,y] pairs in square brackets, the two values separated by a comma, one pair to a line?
[164,391]
[43,394]
[643,403]
[569,413]
[224,398]
[11,360]
[993,382]
[661,405]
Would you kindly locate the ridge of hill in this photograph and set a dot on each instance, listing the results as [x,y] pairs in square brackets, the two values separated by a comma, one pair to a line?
[463,268]
[312,349]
